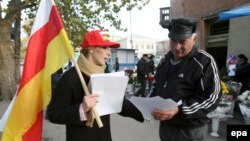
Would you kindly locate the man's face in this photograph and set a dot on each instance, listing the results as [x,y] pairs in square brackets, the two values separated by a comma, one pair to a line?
[182,48]
[239,60]
[145,58]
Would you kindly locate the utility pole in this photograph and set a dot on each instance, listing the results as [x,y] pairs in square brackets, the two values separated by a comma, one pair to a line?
[131,36]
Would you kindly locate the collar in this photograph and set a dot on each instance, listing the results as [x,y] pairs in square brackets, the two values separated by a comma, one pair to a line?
[175,62]
[88,67]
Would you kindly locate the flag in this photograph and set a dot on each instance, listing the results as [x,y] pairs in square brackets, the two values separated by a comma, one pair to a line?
[48,50]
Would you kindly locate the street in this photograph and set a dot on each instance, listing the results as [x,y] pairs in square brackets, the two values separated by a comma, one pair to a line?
[127,129]
[122,129]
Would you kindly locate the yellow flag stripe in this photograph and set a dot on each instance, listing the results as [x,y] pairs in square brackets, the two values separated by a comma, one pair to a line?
[37,90]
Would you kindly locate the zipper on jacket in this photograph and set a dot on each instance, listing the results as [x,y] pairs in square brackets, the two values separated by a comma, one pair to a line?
[165,84]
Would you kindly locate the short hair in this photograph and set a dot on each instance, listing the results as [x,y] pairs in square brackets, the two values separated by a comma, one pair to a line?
[242,56]
[151,56]
[84,51]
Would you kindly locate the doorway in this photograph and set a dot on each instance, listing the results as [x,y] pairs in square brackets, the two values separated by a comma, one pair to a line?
[219,54]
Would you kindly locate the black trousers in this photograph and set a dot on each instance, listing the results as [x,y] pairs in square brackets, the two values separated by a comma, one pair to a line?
[142,88]
[170,133]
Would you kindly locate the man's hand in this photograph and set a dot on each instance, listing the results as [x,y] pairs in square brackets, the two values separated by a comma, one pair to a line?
[162,115]
[89,102]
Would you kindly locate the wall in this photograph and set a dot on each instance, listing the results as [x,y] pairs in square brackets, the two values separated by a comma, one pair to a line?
[149,44]
[144,46]
[126,58]
[162,48]
[200,9]
[239,39]
[123,42]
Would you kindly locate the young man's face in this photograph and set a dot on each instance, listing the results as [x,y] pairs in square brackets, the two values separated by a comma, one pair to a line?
[145,58]
[182,48]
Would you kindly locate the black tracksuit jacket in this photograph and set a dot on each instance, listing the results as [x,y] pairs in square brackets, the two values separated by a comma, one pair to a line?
[195,81]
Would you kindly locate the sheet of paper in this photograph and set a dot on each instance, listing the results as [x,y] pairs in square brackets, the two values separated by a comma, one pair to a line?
[111,89]
[147,105]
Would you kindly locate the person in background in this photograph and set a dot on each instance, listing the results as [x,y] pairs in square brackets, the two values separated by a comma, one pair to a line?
[189,76]
[242,72]
[231,63]
[55,78]
[151,64]
[116,64]
[70,106]
[142,72]
[151,69]
[107,70]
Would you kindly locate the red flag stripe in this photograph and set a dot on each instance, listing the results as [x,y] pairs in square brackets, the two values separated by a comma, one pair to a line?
[48,50]
[37,53]
[35,130]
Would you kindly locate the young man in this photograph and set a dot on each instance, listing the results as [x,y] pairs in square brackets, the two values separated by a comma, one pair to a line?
[187,75]
[242,72]
[142,72]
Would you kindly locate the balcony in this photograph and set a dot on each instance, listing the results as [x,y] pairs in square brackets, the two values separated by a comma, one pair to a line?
[164,17]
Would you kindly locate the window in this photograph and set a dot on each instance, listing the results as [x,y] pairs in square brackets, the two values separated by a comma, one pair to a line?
[219,28]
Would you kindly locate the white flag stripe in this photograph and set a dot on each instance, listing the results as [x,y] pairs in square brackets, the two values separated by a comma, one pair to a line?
[42,17]
[43,13]
[6,114]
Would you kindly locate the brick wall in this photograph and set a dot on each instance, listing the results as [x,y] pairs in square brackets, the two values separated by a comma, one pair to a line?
[200,8]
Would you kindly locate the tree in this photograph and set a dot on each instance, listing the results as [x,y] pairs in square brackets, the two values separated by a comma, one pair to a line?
[7,51]
[78,16]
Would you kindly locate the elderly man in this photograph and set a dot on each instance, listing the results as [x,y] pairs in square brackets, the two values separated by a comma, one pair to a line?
[187,75]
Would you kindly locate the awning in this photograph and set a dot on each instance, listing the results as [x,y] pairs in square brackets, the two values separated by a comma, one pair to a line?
[239,12]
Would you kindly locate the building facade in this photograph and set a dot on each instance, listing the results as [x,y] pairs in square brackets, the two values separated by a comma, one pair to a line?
[141,45]
[130,52]
[220,38]
[162,48]
[125,56]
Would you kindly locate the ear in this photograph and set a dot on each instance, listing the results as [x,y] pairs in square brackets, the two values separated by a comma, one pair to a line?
[194,37]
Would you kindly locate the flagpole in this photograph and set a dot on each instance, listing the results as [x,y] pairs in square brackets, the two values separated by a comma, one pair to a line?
[85,88]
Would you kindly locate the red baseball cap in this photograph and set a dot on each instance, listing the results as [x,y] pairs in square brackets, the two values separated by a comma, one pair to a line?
[98,38]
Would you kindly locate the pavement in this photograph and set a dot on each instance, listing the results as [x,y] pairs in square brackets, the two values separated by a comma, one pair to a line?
[127,129]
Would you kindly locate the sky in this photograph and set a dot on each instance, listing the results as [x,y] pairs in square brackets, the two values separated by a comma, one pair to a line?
[146,21]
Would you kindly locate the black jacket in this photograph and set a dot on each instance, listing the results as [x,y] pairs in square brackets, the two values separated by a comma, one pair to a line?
[142,69]
[194,81]
[151,66]
[242,74]
[64,109]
